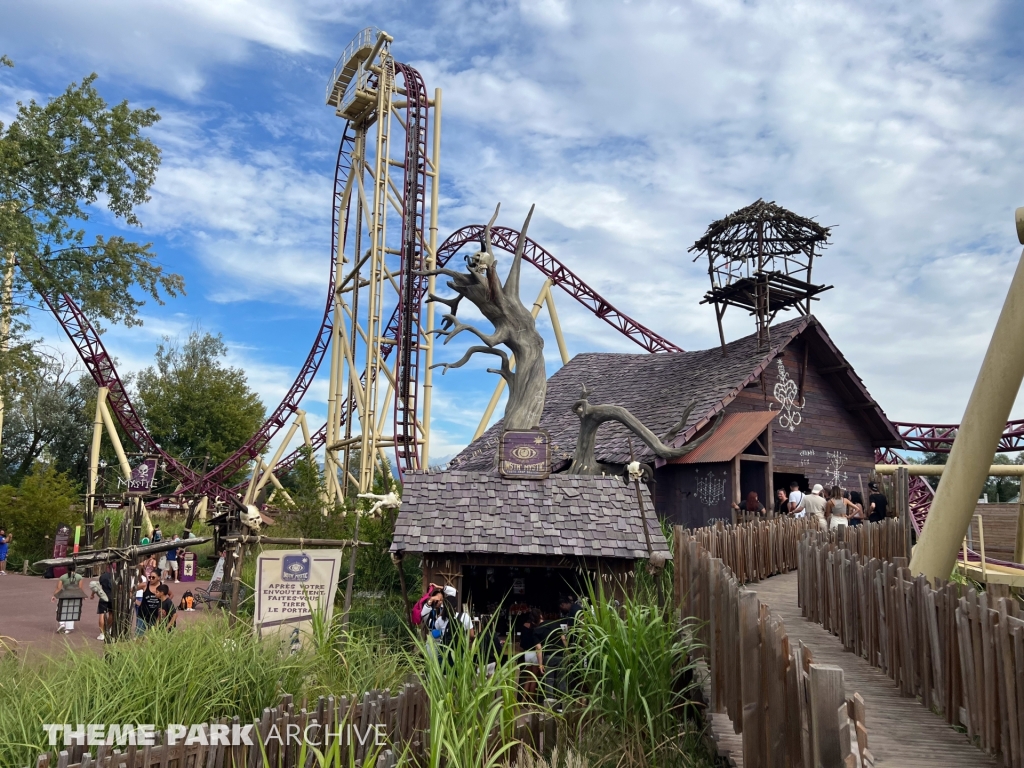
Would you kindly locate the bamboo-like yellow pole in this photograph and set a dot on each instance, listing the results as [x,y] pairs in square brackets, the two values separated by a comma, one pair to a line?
[556,326]
[97,438]
[937,470]
[428,339]
[108,422]
[277,457]
[976,441]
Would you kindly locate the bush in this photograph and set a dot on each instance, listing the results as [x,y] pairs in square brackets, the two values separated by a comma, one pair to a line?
[32,511]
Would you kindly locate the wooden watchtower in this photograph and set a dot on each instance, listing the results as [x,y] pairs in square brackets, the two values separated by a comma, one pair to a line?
[760,258]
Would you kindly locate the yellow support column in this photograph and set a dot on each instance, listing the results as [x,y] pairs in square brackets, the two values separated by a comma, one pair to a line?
[980,429]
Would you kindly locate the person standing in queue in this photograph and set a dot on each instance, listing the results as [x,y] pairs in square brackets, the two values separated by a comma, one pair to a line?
[878,505]
[781,503]
[796,500]
[149,604]
[814,504]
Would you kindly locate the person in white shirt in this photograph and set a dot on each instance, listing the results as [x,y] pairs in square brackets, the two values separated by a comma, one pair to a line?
[814,505]
[796,500]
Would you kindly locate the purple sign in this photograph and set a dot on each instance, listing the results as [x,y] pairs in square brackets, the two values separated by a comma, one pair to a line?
[524,454]
[143,477]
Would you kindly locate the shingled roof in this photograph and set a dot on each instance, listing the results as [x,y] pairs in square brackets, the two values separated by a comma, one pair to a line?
[656,388]
[567,515]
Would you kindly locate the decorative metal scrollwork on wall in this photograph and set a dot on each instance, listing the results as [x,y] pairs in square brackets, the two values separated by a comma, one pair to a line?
[786,393]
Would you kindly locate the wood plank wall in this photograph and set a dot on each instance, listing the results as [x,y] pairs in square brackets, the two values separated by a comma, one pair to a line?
[826,426]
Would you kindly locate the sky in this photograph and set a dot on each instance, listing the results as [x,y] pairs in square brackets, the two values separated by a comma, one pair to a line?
[630,125]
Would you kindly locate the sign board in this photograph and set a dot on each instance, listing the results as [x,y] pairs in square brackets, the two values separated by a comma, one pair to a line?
[290,585]
[169,505]
[187,566]
[143,476]
[113,504]
[524,454]
[60,547]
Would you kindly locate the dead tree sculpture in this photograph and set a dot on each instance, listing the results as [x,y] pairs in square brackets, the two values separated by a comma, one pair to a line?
[593,416]
[514,327]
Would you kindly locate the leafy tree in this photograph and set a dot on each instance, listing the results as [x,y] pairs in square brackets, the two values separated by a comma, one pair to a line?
[193,405]
[33,510]
[46,417]
[59,163]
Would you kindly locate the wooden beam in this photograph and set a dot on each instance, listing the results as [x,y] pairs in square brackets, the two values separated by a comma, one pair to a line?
[753,457]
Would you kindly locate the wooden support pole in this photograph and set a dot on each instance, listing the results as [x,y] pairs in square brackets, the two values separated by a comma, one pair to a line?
[1018,549]
[236,583]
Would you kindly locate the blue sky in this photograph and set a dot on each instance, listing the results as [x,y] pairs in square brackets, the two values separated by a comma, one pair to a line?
[631,125]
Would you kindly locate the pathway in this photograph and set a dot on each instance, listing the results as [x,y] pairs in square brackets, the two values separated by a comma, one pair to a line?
[29,618]
[901,732]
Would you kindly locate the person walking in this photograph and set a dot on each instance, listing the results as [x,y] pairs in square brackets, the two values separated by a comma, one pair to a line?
[171,563]
[836,511]
[68,585]
[878,504]
[5,540]
[533,654]
[814,503]
[104,590]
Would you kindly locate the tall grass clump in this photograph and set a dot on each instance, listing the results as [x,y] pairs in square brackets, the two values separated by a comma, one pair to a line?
[193,675]
[472,713]
[352,661]
[631,671]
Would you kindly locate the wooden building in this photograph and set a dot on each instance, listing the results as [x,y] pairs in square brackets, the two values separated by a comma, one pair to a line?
[504,541]
[795,410]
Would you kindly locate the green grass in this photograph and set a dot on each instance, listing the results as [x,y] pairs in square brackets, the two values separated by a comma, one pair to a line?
[634,671]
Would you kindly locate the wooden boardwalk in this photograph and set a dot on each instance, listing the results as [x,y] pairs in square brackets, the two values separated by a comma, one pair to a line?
[901,732]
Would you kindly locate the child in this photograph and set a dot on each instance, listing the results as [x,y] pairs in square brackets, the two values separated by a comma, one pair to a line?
[168,613]
[66,587]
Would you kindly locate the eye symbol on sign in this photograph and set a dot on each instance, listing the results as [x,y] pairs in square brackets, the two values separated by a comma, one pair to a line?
[296,567]
[524,452]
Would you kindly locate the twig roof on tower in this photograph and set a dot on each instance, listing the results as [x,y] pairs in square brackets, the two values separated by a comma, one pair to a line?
[736,235]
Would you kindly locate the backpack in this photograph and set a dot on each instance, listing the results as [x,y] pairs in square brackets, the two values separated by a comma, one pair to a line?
[187,601]
[417,610]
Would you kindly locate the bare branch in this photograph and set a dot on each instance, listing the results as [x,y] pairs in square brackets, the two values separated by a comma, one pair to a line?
[511,287]
[472,351]
[452,304]
[452,327]
[669,436]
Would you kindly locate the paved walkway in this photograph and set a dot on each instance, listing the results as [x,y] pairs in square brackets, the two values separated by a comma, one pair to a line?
[28,618]
[901,732]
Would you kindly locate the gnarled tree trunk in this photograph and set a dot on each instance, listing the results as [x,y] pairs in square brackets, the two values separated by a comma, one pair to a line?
[514,327]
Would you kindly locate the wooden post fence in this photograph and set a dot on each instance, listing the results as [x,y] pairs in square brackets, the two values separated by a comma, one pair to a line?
[961,651]
[789,710]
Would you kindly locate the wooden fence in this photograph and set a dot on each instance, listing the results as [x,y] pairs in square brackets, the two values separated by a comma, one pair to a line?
[961,651]
[354,723]
[789,710]
[755,550]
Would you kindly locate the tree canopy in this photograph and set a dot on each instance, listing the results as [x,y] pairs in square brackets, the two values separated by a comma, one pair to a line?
[60,163]
[193,405]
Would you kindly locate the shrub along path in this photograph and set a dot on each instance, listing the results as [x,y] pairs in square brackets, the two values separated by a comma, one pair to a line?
[901,732]
[29,618]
